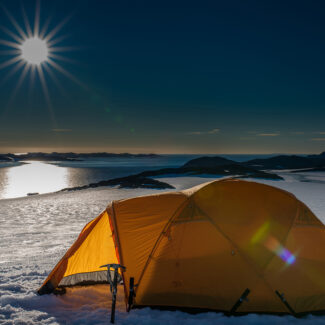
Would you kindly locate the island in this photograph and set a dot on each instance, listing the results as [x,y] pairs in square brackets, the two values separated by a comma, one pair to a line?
[288,162]
[133,181]
[217,166]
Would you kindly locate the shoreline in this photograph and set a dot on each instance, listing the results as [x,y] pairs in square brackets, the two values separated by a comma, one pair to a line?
[173,178]
[30,181]
[8,164]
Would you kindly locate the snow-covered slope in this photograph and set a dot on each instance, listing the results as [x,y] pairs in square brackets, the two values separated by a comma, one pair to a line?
[36,231]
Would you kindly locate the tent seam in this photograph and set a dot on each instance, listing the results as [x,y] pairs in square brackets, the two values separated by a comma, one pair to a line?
[155,246]
[243,255]
[117,243]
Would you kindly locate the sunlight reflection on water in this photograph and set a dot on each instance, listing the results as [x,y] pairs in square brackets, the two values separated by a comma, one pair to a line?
[46,177]
[33,177]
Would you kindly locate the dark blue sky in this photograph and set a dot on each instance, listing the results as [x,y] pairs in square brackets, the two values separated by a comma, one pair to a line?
[172,77]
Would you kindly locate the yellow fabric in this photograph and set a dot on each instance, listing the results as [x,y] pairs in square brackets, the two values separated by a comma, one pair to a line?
[148,213]
[204,246]
[96,250]
[220,239]
[93,248]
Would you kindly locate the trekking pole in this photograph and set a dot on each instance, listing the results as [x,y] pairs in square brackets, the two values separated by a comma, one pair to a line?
[113,284]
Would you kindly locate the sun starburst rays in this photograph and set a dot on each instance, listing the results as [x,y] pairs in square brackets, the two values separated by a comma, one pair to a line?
[33,49]
[14,22]
[20,81]
[16,37]
[26,21]
[12,72]
[37,18]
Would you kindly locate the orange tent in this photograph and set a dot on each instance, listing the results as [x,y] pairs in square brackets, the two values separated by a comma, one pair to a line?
[207,247]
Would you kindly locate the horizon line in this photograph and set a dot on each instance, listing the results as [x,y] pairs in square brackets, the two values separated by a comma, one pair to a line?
[156,153]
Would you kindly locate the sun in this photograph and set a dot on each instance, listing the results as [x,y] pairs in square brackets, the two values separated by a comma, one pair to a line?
[34,50]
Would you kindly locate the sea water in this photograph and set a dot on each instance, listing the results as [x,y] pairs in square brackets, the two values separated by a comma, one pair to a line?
[33,177]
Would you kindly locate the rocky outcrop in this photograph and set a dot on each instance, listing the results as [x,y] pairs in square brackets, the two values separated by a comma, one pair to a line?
[133,181]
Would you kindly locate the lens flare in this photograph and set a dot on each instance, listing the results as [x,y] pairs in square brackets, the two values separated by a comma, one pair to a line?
[274,246]
[263,237]
[261,233]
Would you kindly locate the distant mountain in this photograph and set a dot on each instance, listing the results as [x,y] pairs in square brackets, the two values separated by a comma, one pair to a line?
[208,162]
[70,156]
[211,166]
[286,162]
[321,155]
[6,158]
[276,162]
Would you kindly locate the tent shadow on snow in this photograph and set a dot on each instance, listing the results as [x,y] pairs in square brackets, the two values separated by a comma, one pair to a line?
[90,297]
[208,248]
[91,304]
[80,305]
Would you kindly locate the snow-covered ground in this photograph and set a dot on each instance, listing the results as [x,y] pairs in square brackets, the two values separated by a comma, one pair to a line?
[36,231]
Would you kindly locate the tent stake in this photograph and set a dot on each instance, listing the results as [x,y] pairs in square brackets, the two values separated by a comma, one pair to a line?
[113,284]
[281,296]
[131,294]
[239,301]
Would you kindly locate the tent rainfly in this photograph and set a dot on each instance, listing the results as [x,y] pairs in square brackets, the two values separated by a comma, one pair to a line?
[208,247]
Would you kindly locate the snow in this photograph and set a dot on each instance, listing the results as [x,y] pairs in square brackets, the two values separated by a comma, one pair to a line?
[36,231]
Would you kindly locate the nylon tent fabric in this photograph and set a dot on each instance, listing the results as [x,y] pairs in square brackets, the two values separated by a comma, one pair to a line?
[95,247]
[81,263]
[203,247]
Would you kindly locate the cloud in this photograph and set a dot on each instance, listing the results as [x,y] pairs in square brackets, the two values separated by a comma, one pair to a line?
[268,134]
[298,133]
[61,130]
[320,132]
[213,131]
[246,138]
[318,139]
